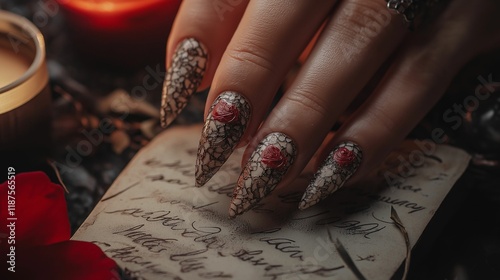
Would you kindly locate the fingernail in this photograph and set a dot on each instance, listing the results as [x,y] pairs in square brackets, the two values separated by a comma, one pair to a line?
[225,125]
[182,79]
[340,165]
[264,170]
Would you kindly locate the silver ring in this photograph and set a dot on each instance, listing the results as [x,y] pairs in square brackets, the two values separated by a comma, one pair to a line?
[410,9]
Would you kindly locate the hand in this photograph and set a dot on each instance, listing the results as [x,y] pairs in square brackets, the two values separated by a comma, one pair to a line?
[244,49]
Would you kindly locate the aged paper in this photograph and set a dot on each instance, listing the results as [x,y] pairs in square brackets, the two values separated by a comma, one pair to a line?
[154,222]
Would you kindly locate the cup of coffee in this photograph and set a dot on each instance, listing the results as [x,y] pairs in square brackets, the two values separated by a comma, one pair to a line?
[24,86]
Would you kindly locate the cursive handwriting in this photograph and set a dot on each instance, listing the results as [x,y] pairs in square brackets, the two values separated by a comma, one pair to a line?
[303,270]
[157,223]
[185,169]
[226,190]
[284,245]
[276,271]
[190,261]
[254,258]
[146,240]
[413,206]
[205,235]
[396,201]
[195,261]
[400,185]
[161,178]
[351,226]
[129,254]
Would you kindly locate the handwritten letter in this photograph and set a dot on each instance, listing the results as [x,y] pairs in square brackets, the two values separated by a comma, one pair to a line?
[154,222]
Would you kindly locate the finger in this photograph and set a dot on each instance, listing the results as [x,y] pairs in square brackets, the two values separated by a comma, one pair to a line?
[269,39]
[413,84]
[334,73]
[200,34]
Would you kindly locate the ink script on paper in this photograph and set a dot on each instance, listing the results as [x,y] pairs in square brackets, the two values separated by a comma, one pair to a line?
[155,223]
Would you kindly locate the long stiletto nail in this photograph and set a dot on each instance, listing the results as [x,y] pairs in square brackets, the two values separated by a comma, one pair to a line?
[183,78]
[340,165]
[264,170]
[225,125]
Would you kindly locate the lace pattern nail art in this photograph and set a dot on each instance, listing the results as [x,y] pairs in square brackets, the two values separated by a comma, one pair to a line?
[183,78]
[263,171]
[225,125]
[340,165]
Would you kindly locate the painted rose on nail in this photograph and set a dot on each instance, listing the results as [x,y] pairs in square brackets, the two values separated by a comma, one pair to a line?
[264,170]
[339,166]
[273,157]
[225,113]
[225,125]
[344,157]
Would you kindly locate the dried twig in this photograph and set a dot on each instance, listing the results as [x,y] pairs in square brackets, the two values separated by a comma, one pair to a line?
[401,227]
[345,256]
[52,164]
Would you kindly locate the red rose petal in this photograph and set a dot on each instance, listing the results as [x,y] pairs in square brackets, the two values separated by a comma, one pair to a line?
[42,248]
[75,260]
[40,209]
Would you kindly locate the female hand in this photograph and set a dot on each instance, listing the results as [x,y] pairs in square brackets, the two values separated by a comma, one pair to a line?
[244,49]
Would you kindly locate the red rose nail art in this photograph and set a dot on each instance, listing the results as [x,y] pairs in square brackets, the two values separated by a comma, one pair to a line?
[225,125]
[344,157]
[225,112]
[264,170]
[340,165]
[273,157]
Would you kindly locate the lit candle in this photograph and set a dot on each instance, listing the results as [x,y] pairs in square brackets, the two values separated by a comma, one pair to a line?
[24,91]
[124,32]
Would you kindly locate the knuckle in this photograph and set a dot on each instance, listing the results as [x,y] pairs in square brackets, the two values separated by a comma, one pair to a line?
[281,117]
[378,117]
[310,102]
[362,20]
[251,53]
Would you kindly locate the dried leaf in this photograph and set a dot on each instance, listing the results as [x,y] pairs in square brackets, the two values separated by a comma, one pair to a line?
[401,227]
[118,123]
[119,140]
[119,101]
[148,128]
[93,121]
[345,257]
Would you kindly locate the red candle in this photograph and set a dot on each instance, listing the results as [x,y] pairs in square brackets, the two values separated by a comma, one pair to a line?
[123,32]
